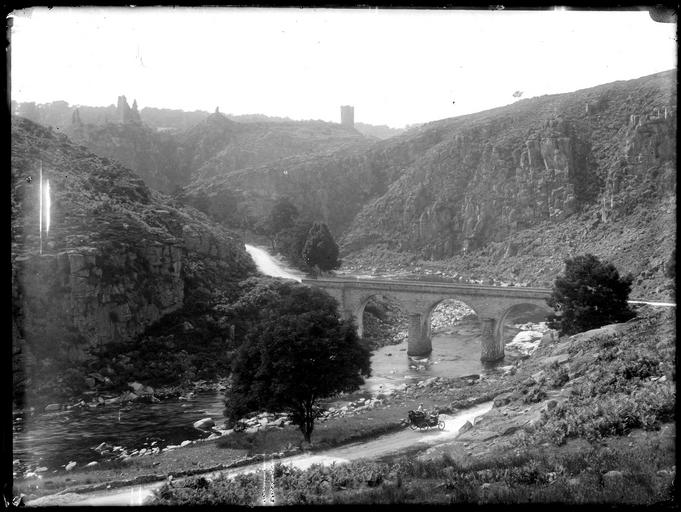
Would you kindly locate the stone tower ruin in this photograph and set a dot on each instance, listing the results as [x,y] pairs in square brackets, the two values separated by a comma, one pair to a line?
[348,116]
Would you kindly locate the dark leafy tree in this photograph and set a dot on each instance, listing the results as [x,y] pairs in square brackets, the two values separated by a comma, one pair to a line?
[291,241]
[590,294]
[320,250]
[282,216]
[297,353]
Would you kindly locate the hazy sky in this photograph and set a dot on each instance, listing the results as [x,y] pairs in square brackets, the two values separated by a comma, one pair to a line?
[396,67]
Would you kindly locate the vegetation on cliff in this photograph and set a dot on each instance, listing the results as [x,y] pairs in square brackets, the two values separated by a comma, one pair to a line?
[117,258]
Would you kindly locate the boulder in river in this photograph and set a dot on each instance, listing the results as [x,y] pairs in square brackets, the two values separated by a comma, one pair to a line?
[128,396]
[146,390]
[71,465]
[52,407]
[101,447]
[204,424]
[136,386]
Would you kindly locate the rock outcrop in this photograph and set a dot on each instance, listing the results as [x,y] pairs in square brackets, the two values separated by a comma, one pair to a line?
[117,256]
[545,159]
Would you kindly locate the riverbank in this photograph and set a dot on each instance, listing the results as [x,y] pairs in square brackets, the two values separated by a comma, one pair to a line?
[588,419]
[118,421]
[355,417]
[544,407]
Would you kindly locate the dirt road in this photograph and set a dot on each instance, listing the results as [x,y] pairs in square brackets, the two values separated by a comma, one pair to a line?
[384,445]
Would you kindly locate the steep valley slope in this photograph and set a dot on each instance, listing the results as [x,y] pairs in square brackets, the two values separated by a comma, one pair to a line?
[511,191]
[117,257]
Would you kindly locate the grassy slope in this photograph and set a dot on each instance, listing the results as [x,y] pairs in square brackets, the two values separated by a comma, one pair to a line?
[593,423]
[579,408]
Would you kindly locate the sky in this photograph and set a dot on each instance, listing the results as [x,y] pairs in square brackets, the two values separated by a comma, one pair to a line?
[396,67]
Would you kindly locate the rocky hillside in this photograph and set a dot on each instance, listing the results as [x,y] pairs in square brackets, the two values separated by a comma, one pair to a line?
[540,179]
[487,176]
[118,256]
[153,155]
[166,160]
[229,145]
[334,186]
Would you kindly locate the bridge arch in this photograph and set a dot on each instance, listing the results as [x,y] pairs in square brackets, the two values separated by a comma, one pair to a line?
[517,309]
[358,311]
[492,304]
[428,316]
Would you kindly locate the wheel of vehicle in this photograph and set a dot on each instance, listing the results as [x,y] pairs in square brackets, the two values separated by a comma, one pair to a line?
[441,425]
[423,427]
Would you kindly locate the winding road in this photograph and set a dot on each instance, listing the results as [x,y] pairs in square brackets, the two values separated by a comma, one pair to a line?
[387,444]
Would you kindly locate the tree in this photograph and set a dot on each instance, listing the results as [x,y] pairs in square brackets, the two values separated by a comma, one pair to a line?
[590,294]
[320,249]
[291,241]
[282,216]
[297,352]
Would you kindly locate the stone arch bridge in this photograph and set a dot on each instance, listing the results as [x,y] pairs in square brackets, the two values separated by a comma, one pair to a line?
[492,304]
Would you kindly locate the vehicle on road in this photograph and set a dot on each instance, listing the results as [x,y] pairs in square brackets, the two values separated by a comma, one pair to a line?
[422,421]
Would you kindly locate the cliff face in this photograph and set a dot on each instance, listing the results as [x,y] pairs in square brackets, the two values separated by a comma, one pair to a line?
[117,256]
[501,171]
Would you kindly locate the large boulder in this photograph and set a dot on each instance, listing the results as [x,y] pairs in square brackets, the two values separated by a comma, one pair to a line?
[204,424]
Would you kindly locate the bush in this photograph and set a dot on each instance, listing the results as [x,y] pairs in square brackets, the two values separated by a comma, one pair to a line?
[589,295]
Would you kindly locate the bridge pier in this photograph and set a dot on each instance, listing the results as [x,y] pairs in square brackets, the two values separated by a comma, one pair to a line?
[492,344]
[418,341]
[347,314]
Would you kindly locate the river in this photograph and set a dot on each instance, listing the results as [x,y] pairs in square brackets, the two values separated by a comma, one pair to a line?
[53,440]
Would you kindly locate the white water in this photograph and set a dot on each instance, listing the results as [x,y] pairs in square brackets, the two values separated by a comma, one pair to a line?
[271,266]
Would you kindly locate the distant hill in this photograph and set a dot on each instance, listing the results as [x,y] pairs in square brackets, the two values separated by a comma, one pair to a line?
[169,152]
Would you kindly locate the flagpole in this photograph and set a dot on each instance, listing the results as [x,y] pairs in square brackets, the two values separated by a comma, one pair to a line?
[40,222]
